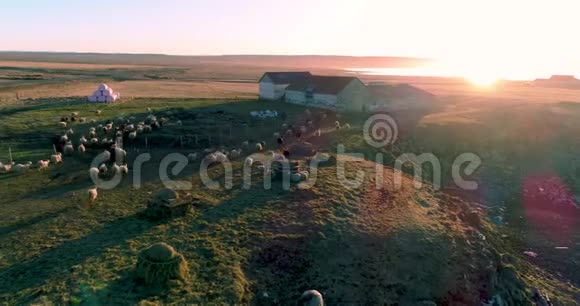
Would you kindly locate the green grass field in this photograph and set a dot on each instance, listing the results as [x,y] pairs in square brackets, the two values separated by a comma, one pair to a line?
[256,246]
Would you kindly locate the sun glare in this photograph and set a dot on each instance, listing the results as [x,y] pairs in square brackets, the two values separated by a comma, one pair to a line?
[482,80]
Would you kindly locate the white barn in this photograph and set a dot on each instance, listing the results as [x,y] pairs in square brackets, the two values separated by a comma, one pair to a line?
[273,84]
[337,93]
[104,94]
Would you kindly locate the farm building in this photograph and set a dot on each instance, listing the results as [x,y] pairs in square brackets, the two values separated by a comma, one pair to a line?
[397,97]
[331,92]
[559,81]
[104,94]
[273,84]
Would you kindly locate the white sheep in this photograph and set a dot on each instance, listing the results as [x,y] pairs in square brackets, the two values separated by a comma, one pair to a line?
[6,168]
[120,153]
[210,158]
[63,138]
[103,169]
[92,134]
[140,130]
[93,121]
[81,148]
[83,140]
[92,129]
[93,194]
[133,135]
[82,119]
[318,132]
[130,128]
[22,167]
[234,154]
[70,132]
[220,157]
[115,169]
[119,134]
[74,114]
[311,298]
[124,169]
[248,161]
[109,126]
[42,164]
[147,129]
[276,135]
[94,141]
[98,112]
[347,126]
[148,109]
[259,147]
[245,144]
[62,124]
[192,156]
[68,148]
[56,158]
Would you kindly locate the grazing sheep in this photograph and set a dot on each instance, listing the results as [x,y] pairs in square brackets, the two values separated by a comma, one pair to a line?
[220,157]
[83,140]
[130,128]
[109,126]
[6,168]
[124,169]
[98,112]
[245,144]
[133,135]
[132,119]
[42,164]
[280,140]
[284,125]
[140,130]
[115,169]
[74,114]
[63,138]
[120,120]
[56,158]
[276,135]
[68,148]
[337,125]
[149,109]
[22,167]
[163,120]
[259,147]
[119,134]
[62,124]
[93,194]
[210,158]
[311,298]
[288,132]
[81,148]
[147,129]
[120,152]
[248,161]
[103,169]
[93,121]
[347,126]
[92,134]
[192,156]
[234,154]
[94,141]
[82,119]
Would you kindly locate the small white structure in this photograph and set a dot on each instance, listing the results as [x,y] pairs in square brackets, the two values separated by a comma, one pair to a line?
[104,94]
[273,84]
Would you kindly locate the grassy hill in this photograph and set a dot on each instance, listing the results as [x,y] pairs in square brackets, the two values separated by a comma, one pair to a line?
[357,246]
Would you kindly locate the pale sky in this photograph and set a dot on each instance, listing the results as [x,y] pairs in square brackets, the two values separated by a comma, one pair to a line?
[509,35]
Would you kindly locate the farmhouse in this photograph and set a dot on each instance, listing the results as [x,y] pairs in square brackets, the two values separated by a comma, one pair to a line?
[331,92]
[561,81]
[273,84]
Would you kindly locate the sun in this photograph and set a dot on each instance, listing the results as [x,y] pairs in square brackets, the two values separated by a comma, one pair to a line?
[482,80]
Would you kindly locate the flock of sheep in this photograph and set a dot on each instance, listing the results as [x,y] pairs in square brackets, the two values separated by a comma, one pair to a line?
[108,136]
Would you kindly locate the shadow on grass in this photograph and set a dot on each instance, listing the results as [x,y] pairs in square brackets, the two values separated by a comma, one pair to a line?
[59,260]
[38,219]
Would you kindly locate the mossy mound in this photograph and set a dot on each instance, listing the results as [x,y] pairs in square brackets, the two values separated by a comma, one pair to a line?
[160,263]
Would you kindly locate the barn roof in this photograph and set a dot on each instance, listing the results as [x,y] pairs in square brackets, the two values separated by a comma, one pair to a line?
[323,84]
[286,77]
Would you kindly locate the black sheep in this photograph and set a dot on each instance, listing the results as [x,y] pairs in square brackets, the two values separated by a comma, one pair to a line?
[286,153]
[280,140]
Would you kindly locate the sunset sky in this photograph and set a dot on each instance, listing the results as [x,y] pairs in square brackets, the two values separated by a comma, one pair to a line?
[503,38]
